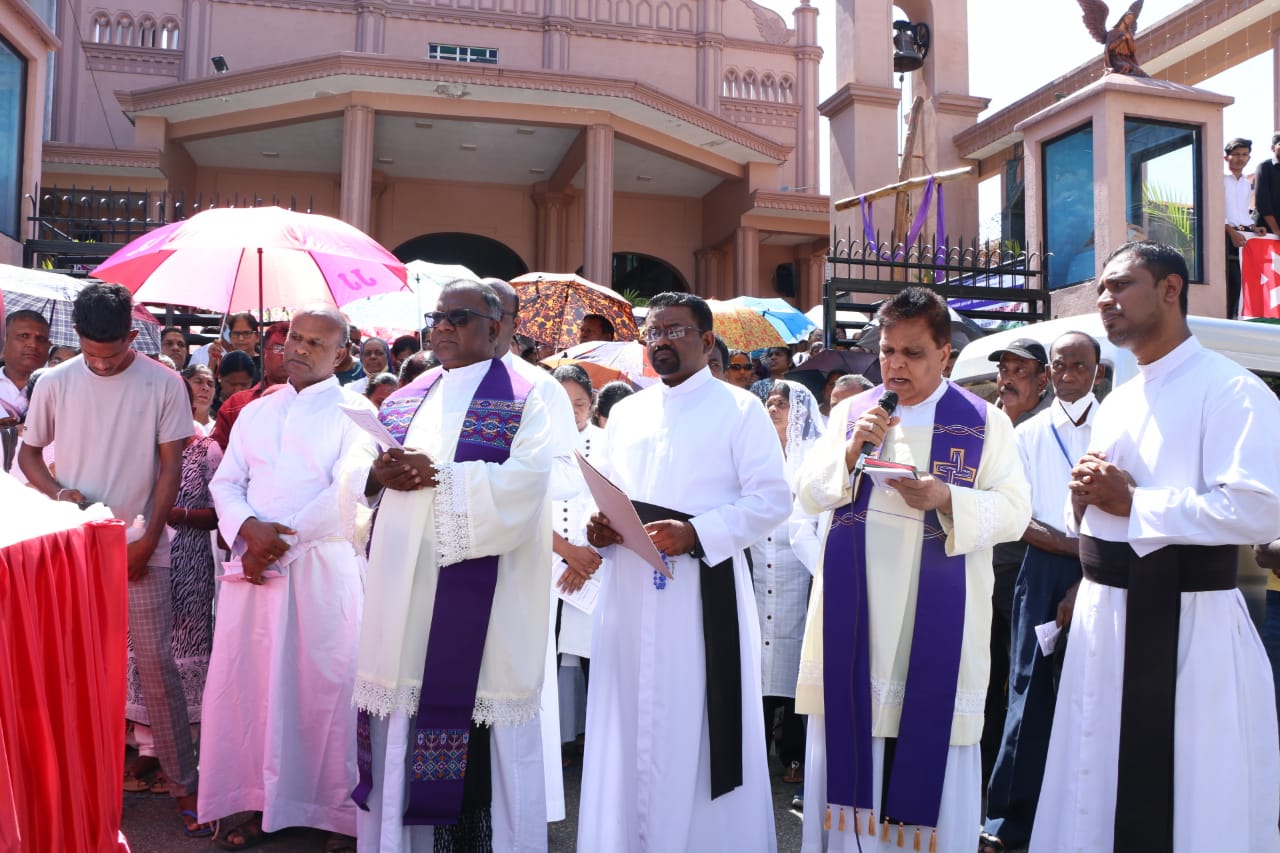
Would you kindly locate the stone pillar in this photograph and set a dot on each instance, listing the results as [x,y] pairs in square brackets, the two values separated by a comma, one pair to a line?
[556,28]
[597,219]
[806,96]
[371,26]
[550,245]
[710,68]
[707,272]
[811,264]
[746,262]
[357,165]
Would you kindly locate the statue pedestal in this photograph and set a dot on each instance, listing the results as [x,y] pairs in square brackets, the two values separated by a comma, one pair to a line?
[1126,158]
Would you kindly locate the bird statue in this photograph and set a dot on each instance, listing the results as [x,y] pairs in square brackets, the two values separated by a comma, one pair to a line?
[1119,55]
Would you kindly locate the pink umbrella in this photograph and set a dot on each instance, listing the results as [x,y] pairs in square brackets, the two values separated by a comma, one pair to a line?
[240,258]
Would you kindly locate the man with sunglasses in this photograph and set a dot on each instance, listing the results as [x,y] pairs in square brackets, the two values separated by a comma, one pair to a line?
[675,749]
[454,637]
[273,376]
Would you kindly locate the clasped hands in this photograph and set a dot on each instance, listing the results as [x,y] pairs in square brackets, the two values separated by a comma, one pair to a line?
[1097,482]
[265,543]
[671,537]
[404,469]
[925,493]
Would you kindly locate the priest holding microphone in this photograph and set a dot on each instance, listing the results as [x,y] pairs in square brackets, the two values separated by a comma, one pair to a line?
[894,677]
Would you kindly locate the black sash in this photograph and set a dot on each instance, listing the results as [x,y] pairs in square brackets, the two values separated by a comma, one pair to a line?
[1144,786]
[723,659]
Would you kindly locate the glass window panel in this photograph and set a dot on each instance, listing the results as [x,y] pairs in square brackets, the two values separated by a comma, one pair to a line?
[1068,208]
[1162,199]
[13,87]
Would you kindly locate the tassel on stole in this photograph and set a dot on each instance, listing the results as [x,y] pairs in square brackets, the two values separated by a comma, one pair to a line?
[916,845]
[933,841]
[826,822]
[901,838]
[840,826]
[884,829]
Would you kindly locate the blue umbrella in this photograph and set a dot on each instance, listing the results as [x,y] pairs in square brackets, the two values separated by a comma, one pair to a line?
[790,322]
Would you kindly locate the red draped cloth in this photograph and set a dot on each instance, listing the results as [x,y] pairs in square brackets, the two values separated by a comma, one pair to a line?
[63,623]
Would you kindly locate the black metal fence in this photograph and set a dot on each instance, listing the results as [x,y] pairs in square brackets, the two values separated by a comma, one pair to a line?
[981,281]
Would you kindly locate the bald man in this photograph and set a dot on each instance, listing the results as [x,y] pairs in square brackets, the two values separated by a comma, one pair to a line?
[279,731]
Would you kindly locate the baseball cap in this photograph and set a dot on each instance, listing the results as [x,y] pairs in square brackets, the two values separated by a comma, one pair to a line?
[1023,348]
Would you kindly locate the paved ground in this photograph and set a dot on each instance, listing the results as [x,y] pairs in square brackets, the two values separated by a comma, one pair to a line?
[152,826]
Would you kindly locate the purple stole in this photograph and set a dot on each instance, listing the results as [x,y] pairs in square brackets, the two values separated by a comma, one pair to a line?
[437,754]
[914,769]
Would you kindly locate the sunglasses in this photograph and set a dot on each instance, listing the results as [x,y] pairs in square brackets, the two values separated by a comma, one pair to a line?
[456,317]
[740,367]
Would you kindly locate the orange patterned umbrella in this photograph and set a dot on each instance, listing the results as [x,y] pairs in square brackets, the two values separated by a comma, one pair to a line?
[552,306]
[743,328]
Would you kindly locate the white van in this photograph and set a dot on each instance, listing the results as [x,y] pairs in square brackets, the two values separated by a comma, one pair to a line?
[1252,345]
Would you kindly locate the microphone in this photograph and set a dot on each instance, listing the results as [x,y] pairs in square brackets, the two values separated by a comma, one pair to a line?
[889,402]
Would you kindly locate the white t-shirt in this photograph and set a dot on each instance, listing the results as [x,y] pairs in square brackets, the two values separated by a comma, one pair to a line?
[109,429]
[1237,191]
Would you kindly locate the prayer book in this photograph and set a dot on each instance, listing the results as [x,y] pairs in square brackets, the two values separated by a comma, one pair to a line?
[882,471]
[617,507]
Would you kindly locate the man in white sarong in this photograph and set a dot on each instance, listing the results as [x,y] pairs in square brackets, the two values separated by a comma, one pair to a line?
[1164,735]
[452,649]
[900,617]
[675,751]
[278,733]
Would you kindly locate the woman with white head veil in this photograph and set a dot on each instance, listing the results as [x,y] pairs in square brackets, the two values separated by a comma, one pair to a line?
[782,580]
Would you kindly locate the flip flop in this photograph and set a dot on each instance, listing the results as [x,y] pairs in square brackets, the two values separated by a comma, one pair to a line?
[251,835]
[137,784]
[200,830]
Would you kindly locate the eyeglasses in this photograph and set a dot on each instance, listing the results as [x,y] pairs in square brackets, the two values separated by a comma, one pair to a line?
[456,317]
[652,334]
[740,367]
[243,335]
[278,349]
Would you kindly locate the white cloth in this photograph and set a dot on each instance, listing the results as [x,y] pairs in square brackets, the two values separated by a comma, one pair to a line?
[1238,191]
[959,813]
[518,810]
[781,584]
[1195,431]
[278,731]
[996,509]
[13,402]
[564,425]
[705,448]
[1047,463]
[476,509]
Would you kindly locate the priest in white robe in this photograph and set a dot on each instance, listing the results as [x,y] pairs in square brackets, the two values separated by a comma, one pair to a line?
[1164,735]
[941,528]
[675,751]
[447,515]
[278,733]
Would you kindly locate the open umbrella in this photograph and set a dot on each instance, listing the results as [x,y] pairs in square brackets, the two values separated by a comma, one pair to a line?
[814,371]
[791,324]
[390,315]
[743,328]
[53,295]
[963,330]
[241,258]
[628,358]
[552,306]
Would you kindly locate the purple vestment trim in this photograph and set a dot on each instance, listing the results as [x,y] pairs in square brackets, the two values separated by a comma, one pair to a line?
[437,757]
[924,733]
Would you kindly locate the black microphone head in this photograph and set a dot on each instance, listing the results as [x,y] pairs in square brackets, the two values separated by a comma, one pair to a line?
[889,401]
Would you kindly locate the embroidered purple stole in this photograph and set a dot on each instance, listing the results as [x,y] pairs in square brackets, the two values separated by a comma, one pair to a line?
[437,754]
[914,781]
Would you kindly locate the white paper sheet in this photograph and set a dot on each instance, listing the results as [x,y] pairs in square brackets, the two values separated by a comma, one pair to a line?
[1047,636]
[617,507]
[584,599]
[367,420]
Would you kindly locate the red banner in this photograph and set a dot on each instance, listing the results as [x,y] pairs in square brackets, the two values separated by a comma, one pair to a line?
[1260,278]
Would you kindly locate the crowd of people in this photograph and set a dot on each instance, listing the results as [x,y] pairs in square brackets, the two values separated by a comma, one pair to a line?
[863,592]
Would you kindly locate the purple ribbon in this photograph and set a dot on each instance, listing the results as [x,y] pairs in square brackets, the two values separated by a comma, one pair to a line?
[924,732]
[437,752]
[917,225]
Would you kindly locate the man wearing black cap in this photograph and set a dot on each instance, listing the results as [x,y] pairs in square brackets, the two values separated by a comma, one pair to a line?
[1021,381]
[1266,189]
[1239,219]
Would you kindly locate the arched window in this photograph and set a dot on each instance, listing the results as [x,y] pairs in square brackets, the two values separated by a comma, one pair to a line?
[124,30]
[147,32]
[101,28]
[787,90]
[750,89]
[731,83]
[768,87]
[169,35]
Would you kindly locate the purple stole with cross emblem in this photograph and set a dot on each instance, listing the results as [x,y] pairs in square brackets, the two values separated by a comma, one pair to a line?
[915,766]
[438,747]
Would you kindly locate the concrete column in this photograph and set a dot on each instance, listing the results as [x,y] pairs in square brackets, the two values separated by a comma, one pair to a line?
[806,96]
[357,165]
[707,272]
[371,26]
[550,245]
[811,264]
[746,262]
[597,220]
[556,27]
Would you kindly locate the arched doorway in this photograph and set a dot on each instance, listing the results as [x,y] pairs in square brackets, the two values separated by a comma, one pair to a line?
[644,275]
[482,255]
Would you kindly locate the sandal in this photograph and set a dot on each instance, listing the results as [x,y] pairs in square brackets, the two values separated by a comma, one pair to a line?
[193,827]
[988,843]
[140,775]
[249,833]
[159,785]
[336,843]
[794,774]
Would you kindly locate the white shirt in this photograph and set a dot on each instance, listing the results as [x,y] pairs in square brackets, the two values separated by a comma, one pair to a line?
[13,403]
[1237,191]
[1047,463]
[1196,431]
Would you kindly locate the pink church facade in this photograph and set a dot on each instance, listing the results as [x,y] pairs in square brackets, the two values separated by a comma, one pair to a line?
[647,143]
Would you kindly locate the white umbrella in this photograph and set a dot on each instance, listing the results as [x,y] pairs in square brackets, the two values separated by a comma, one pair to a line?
[52,295]
[400,313]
